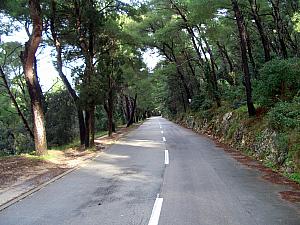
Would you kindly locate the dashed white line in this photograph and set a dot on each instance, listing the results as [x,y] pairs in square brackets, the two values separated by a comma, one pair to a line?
[156,212]
[162,131]
[166,157]
[164,139]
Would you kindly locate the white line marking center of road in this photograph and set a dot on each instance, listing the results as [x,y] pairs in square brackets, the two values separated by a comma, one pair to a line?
[156,212]
[166,157]
[164,139]
[162,131]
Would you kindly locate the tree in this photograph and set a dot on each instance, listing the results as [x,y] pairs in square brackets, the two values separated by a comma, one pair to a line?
[27,58]
[243,40]
[59,65]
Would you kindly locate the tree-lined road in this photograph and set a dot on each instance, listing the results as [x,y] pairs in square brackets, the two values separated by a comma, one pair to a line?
[200,184]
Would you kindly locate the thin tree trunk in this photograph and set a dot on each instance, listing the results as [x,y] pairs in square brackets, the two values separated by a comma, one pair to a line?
[13,99]
[249,48]
[110,114]
[109,108]
[223,49]
[279,26]
[181,75]
[87,129]
[243,40]
[263,36]
[127,108]
[92,126]
[131,120]
[59,67]
[213,72]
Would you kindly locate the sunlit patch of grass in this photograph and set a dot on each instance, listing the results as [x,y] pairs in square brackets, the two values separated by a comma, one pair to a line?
[48,156]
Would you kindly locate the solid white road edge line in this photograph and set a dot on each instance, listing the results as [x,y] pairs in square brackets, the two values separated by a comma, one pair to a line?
[164,139]
[166,157]
[156,212]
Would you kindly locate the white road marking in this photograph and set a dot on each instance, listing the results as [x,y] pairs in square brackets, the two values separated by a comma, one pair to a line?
[162,131]
[156,212]
[160,127]
[164,139]
[166,157]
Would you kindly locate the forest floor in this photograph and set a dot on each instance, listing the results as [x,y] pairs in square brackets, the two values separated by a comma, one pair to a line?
[19,174]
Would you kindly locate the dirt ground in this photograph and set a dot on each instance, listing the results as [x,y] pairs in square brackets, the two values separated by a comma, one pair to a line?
[17,172]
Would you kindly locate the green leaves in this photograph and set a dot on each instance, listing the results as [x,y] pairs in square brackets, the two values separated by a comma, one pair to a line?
[279,80]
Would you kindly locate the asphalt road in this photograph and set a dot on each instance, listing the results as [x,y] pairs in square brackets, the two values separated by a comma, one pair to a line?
[201,185]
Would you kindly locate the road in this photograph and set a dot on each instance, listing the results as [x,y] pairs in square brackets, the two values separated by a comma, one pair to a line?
[138,182]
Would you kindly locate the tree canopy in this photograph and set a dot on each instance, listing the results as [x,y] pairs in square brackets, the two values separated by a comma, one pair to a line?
[211,53]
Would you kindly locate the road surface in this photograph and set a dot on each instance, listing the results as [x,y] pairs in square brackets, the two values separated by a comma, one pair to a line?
[161,174]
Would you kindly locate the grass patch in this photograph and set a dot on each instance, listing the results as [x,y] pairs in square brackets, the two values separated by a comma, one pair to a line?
[100,134]
[73,144]
[32,156]
[294,177]
[270,165]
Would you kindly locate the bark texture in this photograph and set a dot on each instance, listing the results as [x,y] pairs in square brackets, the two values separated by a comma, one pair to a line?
[28,57]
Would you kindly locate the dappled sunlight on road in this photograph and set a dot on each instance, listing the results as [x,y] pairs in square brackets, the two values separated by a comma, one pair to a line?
[109,166]
[141,143]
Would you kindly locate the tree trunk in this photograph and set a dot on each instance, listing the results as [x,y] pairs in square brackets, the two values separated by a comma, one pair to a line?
[82,128]
[27,58]
[252,61]
[213,73]
[279,26]
[110,104]
[181,75]
[59,67]
[131,120]
[109,112]
[87,129]
[243,43]
[92,126]
[110,115]
[127,107]
[263,37]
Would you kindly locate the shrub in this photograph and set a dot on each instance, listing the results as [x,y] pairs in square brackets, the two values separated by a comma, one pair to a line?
[279,81]
[285,115]
[61,118]
[201,102]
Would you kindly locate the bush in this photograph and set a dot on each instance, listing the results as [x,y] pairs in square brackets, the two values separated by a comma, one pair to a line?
[201,102]
[61,118]
[279,81]
[285,115]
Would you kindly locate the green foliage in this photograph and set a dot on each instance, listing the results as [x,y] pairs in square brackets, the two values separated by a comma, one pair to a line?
[61,118]
[101,119]
[294,176]
[14,139]
[201,102]
[285,115]
[296,20]
[279,81]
